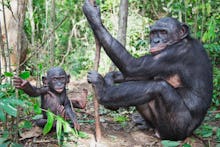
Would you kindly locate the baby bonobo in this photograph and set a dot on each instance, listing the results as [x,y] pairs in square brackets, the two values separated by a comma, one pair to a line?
[53,95]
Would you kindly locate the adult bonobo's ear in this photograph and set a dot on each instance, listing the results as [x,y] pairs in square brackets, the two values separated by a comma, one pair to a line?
[45,81]
[184,31]
[67,78]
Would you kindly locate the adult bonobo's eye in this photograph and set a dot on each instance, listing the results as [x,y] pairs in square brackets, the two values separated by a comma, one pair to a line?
[152,33]
[53,79]
[163,32]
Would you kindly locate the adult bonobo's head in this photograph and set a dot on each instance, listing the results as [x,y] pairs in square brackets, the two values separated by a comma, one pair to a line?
[165,32]
[56,79]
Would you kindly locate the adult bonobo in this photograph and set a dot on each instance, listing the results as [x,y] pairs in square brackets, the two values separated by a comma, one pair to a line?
[53,95]
[171,88]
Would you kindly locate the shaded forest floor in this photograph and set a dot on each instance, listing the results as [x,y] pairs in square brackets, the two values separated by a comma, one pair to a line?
[114,134]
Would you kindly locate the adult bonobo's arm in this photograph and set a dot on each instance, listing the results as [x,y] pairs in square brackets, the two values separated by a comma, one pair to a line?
[28,88]
[113,48]
[146,66]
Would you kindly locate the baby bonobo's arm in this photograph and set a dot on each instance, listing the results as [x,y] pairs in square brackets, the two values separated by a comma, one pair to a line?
[28,88]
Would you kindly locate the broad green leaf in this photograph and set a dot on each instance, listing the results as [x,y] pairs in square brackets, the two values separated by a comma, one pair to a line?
[8,74]
[4,142]
[83,134]
[37,109]
[2,116]
[25,124]
[68,129]
[120,119]
[218,134]
[59,129]
[25,74]
[186,145]
[38,116]
[49,124]
[2,95]
[40,66]
[217,116]
[15,101]
[9,109]
[168,143]
[16,145]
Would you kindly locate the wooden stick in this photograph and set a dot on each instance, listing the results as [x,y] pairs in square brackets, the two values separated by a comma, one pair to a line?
[98,133]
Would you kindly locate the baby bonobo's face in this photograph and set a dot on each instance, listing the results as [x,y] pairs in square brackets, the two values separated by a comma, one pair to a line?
[57,79]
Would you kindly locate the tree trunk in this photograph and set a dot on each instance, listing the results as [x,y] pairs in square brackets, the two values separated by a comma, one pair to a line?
[2,48]
[31,11]
[122,26]
[122,23]
[52,38]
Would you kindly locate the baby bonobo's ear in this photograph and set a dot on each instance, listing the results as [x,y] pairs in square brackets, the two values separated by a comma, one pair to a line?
[67,78]
[45,81]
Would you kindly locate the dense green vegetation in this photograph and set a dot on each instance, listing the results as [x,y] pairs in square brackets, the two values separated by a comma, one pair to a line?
[74,46]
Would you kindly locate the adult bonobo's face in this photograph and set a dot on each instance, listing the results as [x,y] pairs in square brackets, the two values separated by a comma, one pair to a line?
[57,79]
[165,32]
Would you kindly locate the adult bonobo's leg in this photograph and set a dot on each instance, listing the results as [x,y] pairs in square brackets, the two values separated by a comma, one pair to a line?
[157,97]
[130,93]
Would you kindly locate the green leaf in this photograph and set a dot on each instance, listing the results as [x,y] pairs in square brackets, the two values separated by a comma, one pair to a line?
[218,134]
[39,116]
[25,74]
[2,116]
[9,109]
[37,109]
[4,142]
[168,143]
[83,134]
[120,119]
[186,145]
[8,74]
[68,129]
[40,66]
[16,145]
[14,101]
[217,116]
[2,95]
[59,129]
[49,124]
[25,124]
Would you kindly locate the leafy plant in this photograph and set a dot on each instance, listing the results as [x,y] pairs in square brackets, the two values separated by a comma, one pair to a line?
[63,128]
[9,104]
[205,131]
[168,143]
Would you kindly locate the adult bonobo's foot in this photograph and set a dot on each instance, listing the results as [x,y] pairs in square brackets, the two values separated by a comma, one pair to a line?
[94,77]
[92,12]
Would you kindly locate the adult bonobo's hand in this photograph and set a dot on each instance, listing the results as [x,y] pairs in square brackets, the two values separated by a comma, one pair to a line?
[19,83]
[92,13]
[94,77]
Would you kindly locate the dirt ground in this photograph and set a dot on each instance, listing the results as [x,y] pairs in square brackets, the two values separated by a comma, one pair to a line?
[114,134]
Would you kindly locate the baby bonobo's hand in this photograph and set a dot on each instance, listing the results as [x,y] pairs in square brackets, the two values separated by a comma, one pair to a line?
[19,83]
[76,125]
